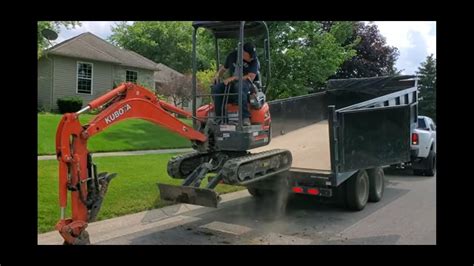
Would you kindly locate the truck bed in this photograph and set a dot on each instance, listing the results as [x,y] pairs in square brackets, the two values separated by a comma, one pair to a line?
[308,145]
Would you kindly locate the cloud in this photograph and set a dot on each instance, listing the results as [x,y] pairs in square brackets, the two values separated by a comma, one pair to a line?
[411,57]
[433,29]
[397,32]
[103,29]
[414,39]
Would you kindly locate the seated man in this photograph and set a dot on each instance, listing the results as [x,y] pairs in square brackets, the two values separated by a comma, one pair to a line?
[250,69]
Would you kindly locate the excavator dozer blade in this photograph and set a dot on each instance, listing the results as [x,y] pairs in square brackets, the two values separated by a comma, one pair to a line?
[191,195]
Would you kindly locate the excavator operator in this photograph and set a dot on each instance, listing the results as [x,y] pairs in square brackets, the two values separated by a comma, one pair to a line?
[250,70]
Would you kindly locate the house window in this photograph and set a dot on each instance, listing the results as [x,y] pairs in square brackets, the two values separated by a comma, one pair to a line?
[131,76]
[84,78]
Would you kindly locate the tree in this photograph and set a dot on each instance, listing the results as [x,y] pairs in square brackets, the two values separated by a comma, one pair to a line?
[204,81]
[304,55]
[427,86]
[178,88]
[374,57]
[52,25]
[166,42]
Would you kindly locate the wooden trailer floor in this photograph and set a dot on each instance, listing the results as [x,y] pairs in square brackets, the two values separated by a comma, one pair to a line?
[308,145]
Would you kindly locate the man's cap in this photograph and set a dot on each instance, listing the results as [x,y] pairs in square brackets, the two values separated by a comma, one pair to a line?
[250,48]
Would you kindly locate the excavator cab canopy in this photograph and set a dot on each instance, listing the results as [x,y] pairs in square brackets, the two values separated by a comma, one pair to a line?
[231,29]
[238,30]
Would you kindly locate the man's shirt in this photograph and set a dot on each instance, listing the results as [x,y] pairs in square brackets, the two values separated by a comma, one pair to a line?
[248,67]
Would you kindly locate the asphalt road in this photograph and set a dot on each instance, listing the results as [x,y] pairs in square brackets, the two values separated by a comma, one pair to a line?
[406,215]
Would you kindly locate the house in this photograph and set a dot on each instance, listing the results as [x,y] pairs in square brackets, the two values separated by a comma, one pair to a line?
[88,66]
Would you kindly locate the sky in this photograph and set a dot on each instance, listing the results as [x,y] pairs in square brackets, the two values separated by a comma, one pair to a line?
[415,40]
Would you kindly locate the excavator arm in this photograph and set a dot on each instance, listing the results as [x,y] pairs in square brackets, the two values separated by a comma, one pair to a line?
[77,173]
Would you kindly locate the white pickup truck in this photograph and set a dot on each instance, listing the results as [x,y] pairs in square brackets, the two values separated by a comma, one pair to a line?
[423,147]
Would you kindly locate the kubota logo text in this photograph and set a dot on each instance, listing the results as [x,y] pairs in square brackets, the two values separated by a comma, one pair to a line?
[122,110]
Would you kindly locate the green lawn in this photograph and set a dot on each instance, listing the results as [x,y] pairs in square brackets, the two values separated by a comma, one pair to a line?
[133,190]
[133,134]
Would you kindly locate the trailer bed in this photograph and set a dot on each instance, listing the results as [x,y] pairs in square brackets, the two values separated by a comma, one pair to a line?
[309,146]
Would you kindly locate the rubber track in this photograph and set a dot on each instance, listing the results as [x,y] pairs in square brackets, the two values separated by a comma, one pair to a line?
[231,167]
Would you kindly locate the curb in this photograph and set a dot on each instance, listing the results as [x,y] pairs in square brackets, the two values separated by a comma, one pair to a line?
[162,218]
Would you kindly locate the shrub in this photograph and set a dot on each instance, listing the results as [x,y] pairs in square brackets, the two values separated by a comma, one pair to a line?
[69,104]
[41,109]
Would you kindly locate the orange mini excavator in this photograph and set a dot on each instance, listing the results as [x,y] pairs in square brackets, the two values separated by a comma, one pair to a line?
[221,143]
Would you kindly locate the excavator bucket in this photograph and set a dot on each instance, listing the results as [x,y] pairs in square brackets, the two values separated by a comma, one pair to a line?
[191,195]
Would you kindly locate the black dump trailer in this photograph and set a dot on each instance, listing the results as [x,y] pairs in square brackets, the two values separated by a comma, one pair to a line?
[343,137]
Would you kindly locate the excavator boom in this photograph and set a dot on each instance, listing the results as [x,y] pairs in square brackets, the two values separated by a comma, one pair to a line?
[222,141]
[77,173]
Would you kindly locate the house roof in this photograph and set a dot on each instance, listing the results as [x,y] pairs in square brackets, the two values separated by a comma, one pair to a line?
[165,73]
[89,46]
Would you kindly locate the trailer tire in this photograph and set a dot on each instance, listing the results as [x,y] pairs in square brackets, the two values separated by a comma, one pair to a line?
[431,162]
[357,189]
[376,184]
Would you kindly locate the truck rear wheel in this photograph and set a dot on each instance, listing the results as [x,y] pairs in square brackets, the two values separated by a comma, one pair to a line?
[376,184]
[431,163]
[357,191]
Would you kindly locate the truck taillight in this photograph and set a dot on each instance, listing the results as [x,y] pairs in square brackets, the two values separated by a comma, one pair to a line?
[297,189]
[414,138]
[313,191]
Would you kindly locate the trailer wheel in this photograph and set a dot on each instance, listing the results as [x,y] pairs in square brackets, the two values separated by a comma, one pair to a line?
[376,184]
[431,162]
[357,191]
